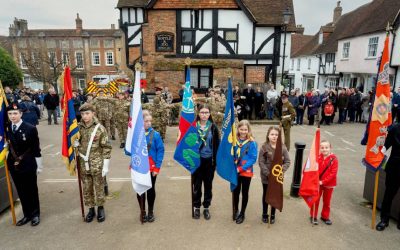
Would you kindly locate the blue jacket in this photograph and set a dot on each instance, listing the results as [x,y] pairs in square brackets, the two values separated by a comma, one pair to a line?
[248,155]
[156,151]
[31,113]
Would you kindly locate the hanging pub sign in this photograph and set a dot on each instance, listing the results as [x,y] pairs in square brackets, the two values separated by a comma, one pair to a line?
[164,42]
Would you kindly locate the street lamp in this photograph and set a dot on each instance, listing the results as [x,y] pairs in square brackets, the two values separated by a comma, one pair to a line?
[286,19]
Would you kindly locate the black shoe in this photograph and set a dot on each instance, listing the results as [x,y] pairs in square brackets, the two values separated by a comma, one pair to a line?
[235,215]
[265,218]
[196,213]
[327,221]
[206,214]
[382,225]
[22,221]
[101,215]
[150,217]
[106,190]
[314,221]
[35,221]
[240,219]
[122,145]
[272,221]
[90,215]
[113,138]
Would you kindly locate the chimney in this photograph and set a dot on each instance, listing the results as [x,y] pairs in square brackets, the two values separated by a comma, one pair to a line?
[337,13]
[78,23]
[113,26]
[299,29]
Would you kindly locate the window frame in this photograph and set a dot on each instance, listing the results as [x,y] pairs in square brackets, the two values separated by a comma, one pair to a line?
[372,45]
[93,58]
[106,58]
[309,63]
[298,64]
[49,54]
[346,50]
[192,43]
[22,59]
[76,60]
[198,88]
[68,57]
[231,30]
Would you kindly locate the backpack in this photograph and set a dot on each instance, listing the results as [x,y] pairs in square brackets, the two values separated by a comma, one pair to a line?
[328,109]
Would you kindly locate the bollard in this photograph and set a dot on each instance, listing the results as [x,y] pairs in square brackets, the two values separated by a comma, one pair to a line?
[298,163]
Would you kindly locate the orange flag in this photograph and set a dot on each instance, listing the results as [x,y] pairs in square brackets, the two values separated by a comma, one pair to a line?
[381,116]
[309,187]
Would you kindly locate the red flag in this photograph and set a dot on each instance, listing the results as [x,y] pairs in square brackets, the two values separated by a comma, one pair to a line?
[274,195]
[381,116]
[309,188]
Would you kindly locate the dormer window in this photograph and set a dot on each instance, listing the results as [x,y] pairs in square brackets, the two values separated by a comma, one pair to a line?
[320,38]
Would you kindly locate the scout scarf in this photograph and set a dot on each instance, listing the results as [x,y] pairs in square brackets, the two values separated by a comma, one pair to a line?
[239,145]
[203,133]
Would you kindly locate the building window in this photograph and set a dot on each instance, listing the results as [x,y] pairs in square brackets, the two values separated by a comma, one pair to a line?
[309,63]
[201,78]
[187,37]
[81,83]
[36,59]
[22,44]
[79,60]
[330,57]
[52,59]
[108,44]
[78,44]
[109,58]
[65,58]
[65,44]
[346,50]
[373,46]
[320,38]
[230,35]
[51,44]
[292,66]
[298,64]
[22,59]
[94,43]
[95,58]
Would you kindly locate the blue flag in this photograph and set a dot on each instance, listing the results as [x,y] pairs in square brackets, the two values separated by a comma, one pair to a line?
[226,167]
[187,148]
[3,119]
[136,144]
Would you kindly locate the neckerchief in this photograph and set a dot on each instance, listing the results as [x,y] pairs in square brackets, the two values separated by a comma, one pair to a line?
[239,145]
[203,132]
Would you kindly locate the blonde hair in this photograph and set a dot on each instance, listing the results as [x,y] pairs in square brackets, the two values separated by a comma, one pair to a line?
[146,113]
[245,123]
[326,141]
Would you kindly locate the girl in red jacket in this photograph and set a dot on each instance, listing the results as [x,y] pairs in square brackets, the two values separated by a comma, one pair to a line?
[328,168]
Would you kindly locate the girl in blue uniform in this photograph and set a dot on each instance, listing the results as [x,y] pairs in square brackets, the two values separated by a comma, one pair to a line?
[155,148]
[246,156]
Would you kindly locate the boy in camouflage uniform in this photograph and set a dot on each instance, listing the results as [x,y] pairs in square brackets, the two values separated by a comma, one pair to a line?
[95,153]
[121,117]
[104,108]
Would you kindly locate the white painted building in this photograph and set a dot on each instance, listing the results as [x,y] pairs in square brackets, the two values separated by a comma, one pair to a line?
[395,55]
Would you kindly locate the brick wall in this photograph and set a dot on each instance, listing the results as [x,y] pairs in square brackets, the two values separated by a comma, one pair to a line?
[198,4]
[255,74]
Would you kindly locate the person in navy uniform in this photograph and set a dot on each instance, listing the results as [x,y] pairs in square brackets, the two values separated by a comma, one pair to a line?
[24,162]
[392,170]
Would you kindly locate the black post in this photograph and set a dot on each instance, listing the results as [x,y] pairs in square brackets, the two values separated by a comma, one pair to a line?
[298,162]
[284,56]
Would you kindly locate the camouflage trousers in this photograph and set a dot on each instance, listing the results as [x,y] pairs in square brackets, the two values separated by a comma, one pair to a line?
[286,131]
[122,131]
[107,124]
[112,127]
[93,189]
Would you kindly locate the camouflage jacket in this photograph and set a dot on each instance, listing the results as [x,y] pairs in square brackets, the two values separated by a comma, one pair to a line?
[104,107]
[101,147]
[121,111]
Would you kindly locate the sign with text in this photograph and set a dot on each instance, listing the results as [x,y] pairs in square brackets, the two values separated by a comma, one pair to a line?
[164,42]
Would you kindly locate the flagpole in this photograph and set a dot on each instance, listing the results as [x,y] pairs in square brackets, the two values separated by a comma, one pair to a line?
[191,190]
[373,221]
[79,184]
[10,195]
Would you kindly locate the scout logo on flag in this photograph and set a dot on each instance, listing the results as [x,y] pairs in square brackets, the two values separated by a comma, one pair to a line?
[187,149]
[381,117]
[70,124]
[136,144]
[309,187]
[274,195]
[226,167]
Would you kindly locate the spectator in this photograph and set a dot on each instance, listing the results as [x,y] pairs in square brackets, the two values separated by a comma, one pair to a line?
[300,108]
[294,99]
[31,113]
[352,105]
[181,92]
[249,93]
[259,103]
[236,93]
[313,105]
[342,103]
[51,102]
[396,106]
[11,97]
[167,96]
[324,100]
[272,96]
[365,108]
[77,100]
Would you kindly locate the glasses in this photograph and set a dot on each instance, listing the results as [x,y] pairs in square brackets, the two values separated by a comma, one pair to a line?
[204,113]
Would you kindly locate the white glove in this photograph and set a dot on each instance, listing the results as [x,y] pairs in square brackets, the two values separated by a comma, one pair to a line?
[383,150]
[76,143]
[5,145]
[39,163]
[106,164]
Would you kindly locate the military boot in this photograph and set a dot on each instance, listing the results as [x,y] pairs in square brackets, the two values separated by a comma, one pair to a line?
[106,190]
[101,215]
[90,215]
[122,145]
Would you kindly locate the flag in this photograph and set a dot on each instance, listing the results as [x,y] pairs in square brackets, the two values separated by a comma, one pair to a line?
[226,167]
[70,131]
[274,195]
[187,148]
[381,117]
[136,144]
[309,187]
[3,119]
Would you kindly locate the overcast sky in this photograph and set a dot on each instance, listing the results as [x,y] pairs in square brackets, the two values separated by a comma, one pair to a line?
[101,13]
